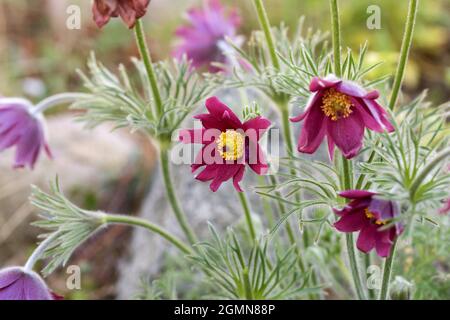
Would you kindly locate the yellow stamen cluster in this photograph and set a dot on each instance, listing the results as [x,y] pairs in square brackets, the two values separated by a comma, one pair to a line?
[371,216]
[336,105]
[230,145]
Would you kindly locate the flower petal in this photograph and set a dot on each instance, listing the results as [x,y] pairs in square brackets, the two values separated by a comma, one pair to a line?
[356,194]
[313,130]
[379,113]
[323,83]
[351,222]
[347,134]
[258,126]
[208,173]
[224,173]
[238,178]
[366,238]
[223,113]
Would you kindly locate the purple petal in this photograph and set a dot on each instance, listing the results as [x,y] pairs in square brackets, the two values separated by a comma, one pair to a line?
[238,178]
[222,113]
[351,222]
[208,173]
[224,173]
[383,209]
[383,244]
[366,238]
[347,134]
[257,126]
[353,89]
[18,284]
[356,194]
[318,84]
[313,130]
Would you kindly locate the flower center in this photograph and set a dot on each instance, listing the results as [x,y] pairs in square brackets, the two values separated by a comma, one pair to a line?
[371,216]
[231,145]
[336,105]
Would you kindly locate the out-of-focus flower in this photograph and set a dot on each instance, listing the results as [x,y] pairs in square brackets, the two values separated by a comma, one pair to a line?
[446,208]
[16,283]
[20,127]
[401,289]
[128,10]
[228,145]
[369,214]
[340,110]
[203,39]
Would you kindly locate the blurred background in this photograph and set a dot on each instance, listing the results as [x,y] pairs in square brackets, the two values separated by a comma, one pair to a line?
[39,56]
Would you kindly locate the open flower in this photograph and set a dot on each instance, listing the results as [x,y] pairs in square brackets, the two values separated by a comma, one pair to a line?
[203,39]
[228,145]
[340,110]
[128,10]
[369,215]
[16,283]
[21,128]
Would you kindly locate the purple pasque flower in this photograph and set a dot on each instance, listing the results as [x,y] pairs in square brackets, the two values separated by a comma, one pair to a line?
[340,110]
[229,145]
[202,40]
[17,283]
[369,214]
[20,127]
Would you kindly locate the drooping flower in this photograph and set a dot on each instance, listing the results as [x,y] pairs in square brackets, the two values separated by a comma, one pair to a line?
[128,10]
[16,283]
[228,145]
[203,39]
[369,214]
[340,110]
[20,127]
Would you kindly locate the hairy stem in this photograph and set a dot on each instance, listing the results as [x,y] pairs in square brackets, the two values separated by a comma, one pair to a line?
[387,270]
[335,24]
[354,265]
[172,197]
[349,241]
[56,100]
[265,25]
[248,215]
[146,58]
[133,221]
[404,52]
[346,164]
[39,251]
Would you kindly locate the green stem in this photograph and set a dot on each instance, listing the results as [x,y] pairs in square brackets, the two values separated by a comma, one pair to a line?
[265,25]
[39,251]
[404,52]
[336,37]
[248,215]
[346,164]
[387,270]
[354,265]
[284,109]
[367,264]
[146,58]
[133,221]
[348,184]
[180,215]
[426,170]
